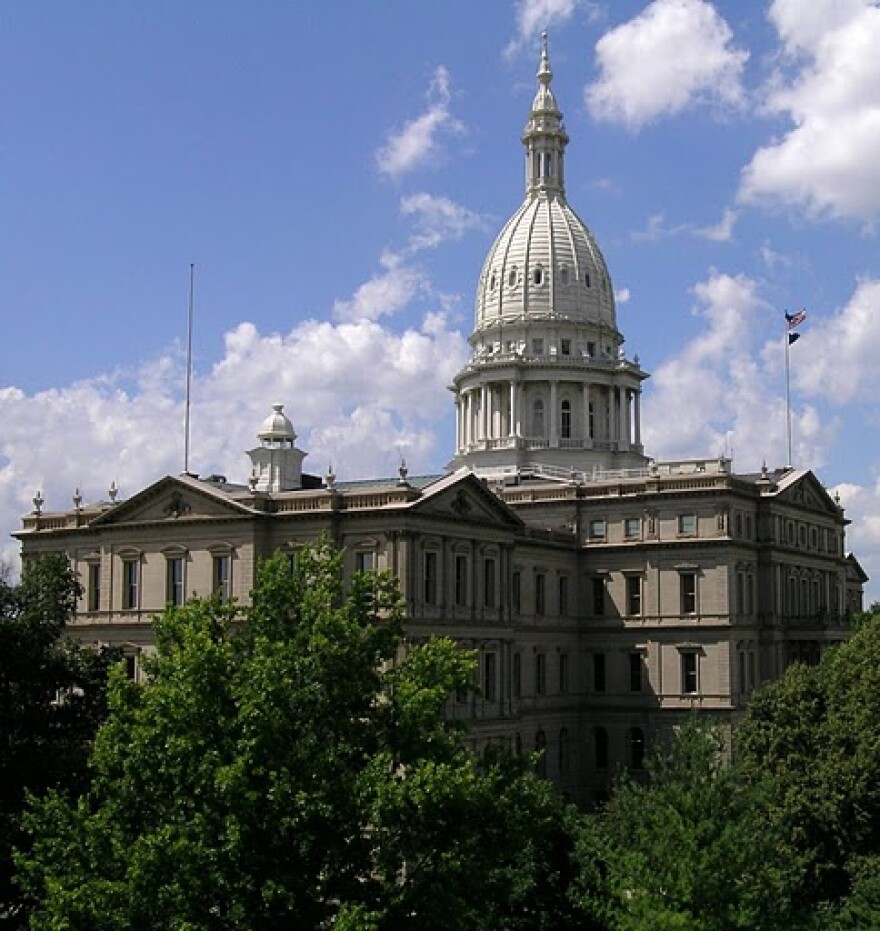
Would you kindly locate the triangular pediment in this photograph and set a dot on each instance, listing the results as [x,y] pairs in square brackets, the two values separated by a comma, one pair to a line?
[806,491]
[463,497]
[171,500]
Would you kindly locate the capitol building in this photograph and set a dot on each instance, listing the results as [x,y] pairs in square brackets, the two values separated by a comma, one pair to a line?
[606,594]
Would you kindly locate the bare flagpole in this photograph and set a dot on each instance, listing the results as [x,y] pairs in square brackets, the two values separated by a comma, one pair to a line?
[189,344]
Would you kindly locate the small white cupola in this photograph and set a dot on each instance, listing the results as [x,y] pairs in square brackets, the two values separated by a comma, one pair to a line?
[276,462]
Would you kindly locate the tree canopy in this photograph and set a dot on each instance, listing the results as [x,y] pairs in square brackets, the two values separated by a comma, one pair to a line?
[52,698]
[289,764]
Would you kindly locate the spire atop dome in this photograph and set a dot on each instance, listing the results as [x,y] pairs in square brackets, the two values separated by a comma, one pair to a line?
[545,137]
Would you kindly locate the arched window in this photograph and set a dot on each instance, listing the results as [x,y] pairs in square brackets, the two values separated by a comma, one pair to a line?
[538,275]
[492,282]
[562,751]
[548,164]
[563,276]
[587,279]
[600,748]
[538,419]
[541,748]
[635,739]
[565,420]
[511,277]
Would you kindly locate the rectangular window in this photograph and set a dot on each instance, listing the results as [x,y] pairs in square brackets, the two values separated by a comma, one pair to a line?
[222,577]
[597,529]
[430,578]
[632,527]
[598,672]
[753,677]
[538,347]
[516,591]
[636,662]
[634,594]
[364,561]
[743,683]
[565,347]
[540,673]
[563,673]
[174,584]
[461,581]
[687,524]
[130,583]
[489,673]
[489,583]
[689,677]
[688,584]
[540,592]
[598,596]
[130,667]
[516,684]
[94,586]
[563,595]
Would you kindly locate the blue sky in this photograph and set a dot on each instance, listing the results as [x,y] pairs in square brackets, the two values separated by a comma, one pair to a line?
[337,173]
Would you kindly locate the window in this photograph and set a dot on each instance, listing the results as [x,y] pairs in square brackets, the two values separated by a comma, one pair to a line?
[94,586]
[563,673]
[538,419]
[516,591]
[174,581]
[689,673]
[565,347]
[540,593]
[598,672]
[597,529]
[565,420]
[430,578]
[511,277]
[587,279]
[562,751]
[563,595]
[636,663]
[490,691]
[563,276]
[538,347]
[489,582]
[130,583]
[687,524]
[598,596]
[632,527]
[492,282]
[633,594]
[635,740]
[688,582]
[364,561]
[538,275]
[540,673]
[461,581]
[222,577]
[516,684]
[131,667]
[600,747]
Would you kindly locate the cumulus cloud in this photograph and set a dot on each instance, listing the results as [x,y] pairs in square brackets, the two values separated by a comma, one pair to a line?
[725,388]
[674,54]
[418,140]
[388,291]
[534,15]
[355,391]
[722,231]
[828,163]
[438,219]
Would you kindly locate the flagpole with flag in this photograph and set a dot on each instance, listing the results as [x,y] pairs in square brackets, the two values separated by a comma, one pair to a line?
[792,322]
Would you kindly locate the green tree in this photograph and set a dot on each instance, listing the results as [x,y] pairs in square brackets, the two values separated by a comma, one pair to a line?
[296,770]
[52,698]
[814,734]
[688,849]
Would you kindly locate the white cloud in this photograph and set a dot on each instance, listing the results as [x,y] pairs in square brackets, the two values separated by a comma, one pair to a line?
[674,54]
[532,16]
[842,349]
[862,506]
[622,296]
[726,390]
[829,163]
[722,231]
[438,219]
[417,141]
[388,291]
[656,229]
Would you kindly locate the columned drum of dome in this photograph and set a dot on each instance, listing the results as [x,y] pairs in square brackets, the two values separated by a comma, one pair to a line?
[548,387]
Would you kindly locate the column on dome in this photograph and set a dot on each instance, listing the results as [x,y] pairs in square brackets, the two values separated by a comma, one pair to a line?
[511,423]
[483,432]
[554,413]
[586,428]
[458,443]
[638,416]
[626,431]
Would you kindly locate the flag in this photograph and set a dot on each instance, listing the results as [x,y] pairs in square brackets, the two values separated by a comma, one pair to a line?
[795,319]
[793,338]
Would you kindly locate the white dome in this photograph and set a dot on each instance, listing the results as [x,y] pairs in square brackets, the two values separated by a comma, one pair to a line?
[276,426]
[545,265]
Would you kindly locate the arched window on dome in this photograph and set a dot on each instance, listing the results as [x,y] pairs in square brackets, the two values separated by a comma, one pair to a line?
[511,277]
[563,276]
[492,282]
[587,279]
[565,420]
[538,275]
[538,419]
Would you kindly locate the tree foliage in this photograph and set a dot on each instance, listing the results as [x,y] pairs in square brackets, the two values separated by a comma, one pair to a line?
[814,734]
[289,764]
[52,698]
[688,849]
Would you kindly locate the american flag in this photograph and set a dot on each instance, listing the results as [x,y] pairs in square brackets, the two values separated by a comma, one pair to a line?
[795,319]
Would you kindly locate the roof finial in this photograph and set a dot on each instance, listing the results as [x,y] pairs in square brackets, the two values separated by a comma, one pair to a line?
[545,75]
